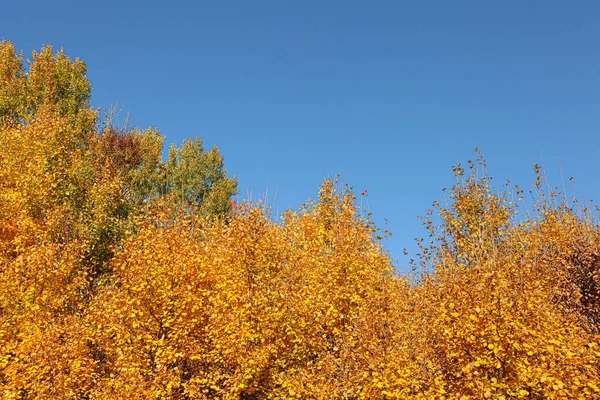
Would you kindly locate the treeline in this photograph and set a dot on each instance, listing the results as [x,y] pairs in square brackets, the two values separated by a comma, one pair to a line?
[124,277]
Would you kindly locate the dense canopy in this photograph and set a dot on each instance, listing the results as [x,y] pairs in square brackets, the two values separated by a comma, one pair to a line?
[123,276]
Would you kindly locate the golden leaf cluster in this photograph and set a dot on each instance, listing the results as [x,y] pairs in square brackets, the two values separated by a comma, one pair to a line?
[122,277]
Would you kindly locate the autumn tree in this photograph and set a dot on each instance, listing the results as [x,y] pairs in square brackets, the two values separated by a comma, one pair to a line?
[123,276]
[53,80]
[496,322]
[56,151]
[255,309]
[71,189]
[195,178]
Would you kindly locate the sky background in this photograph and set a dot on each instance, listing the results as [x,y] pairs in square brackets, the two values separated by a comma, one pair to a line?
[387,94]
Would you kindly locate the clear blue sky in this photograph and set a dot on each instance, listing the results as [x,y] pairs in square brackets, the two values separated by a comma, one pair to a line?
[388,94]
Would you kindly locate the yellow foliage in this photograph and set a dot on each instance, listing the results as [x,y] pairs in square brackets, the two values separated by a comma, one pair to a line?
[115,285]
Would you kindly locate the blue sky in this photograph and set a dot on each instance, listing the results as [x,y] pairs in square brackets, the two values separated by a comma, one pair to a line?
[388,94]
